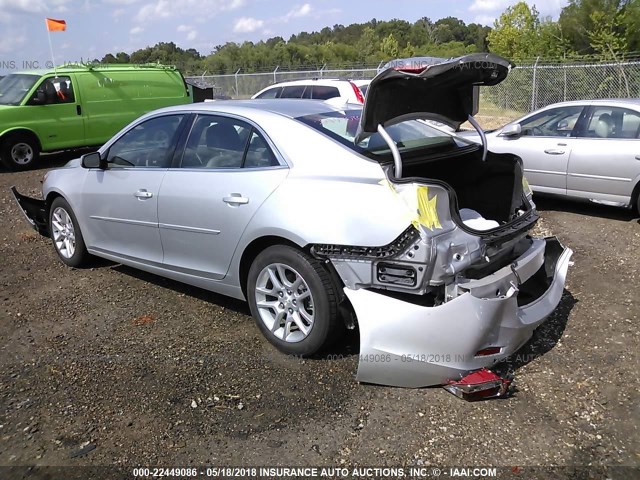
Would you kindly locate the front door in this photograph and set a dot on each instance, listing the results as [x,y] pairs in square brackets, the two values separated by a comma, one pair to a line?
[120,204]
[56,113]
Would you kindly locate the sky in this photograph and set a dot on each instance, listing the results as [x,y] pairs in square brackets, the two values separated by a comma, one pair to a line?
[97,27]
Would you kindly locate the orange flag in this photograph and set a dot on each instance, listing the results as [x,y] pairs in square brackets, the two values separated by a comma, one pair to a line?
[56,25]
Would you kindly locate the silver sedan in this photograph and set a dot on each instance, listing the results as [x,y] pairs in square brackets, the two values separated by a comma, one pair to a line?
[324,219]
[584,149]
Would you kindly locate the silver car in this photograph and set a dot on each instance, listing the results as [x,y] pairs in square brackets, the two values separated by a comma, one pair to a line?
[325,218]
[585,149]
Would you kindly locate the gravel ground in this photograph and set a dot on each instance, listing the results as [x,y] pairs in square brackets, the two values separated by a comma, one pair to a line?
[111,366]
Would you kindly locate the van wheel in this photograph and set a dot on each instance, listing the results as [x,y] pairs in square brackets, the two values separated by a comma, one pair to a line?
[19,151]
[292,300]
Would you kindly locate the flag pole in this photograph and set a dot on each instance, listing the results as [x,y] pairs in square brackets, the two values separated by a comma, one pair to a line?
[53,60]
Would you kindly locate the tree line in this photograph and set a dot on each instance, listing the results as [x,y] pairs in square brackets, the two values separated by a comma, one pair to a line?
[601,29]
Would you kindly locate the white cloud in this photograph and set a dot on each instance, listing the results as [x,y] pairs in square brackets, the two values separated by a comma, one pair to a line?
[489,10]
[11,40]
[297,12]
[485,20]
[152,11]
[247,25]
[489,5]
[32,6]
[136,30]
[118,12]
[191,31]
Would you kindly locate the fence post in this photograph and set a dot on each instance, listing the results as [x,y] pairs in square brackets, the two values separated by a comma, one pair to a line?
[321,70]
[236,75]
[274,74]
[533,87]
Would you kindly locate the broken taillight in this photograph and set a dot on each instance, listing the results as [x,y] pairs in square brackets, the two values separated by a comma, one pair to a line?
[357,92]
[480,385]
[488,351]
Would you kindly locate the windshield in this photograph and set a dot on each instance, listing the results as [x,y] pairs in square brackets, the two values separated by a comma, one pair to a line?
[408,136]
[14,87]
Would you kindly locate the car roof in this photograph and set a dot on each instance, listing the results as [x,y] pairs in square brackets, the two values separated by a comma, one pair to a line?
[287,107]
[598,101]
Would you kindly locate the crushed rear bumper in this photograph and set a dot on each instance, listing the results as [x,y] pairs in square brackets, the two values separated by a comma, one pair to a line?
[409,345]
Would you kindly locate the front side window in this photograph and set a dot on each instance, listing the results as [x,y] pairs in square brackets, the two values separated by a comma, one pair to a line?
[555,122]
[54,90]
[295,91]
[612,122]
[148,144]
[14,87]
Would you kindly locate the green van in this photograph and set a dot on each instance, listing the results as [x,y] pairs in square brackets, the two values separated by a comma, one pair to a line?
[78,106]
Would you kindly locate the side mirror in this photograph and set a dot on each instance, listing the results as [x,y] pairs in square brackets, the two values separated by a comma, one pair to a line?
[93,160]
[512,131]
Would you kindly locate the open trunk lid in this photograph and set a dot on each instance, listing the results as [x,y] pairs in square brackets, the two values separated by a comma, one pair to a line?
[429,88]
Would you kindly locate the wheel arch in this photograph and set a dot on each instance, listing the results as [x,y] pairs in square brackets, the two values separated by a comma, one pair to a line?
[21,131]
[260,244]
[635,196]
[253,250]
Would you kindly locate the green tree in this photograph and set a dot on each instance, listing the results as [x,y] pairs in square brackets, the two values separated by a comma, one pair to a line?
[390,47]
[516,34]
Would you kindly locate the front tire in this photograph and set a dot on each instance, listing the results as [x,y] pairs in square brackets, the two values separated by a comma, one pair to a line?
[66,235]
[293,300]
[19,152]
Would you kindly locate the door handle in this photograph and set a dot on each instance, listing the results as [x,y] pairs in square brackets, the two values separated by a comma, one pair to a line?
[235,199]
[637,157]
[78,109]
[142,194]
[554,151]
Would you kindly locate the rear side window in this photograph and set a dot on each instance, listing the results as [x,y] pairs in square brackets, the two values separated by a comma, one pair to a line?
[294,91]
[218,142]
[271,93]
[325,93]
[613,122]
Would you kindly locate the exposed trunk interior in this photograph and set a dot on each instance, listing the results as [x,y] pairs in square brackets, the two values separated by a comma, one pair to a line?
[492,188]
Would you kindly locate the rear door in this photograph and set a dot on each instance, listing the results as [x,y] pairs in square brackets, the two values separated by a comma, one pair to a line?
[606,155]
[227,170]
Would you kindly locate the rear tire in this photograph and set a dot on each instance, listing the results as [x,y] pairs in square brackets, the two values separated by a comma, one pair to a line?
[19,151]
[66,235]
[293,300]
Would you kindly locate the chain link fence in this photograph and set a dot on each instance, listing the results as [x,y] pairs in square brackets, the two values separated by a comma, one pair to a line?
[527,88]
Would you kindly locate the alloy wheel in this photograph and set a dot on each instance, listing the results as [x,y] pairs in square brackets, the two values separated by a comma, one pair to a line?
[64,235]
[284,302]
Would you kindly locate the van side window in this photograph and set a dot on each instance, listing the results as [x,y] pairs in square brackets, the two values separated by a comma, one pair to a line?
[56,90]
[148,144]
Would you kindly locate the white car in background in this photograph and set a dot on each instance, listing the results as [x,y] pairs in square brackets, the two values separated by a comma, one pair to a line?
[317,89]
[586,149]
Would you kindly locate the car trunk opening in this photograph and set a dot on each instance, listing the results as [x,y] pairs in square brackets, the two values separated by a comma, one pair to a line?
[493,188]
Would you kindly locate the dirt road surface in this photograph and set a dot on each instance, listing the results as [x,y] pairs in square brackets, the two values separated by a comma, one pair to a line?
[111,366]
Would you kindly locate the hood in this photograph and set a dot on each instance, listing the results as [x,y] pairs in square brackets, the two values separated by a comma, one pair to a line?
[429,88]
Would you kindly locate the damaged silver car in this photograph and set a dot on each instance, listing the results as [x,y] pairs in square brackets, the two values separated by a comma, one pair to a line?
[325,217]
